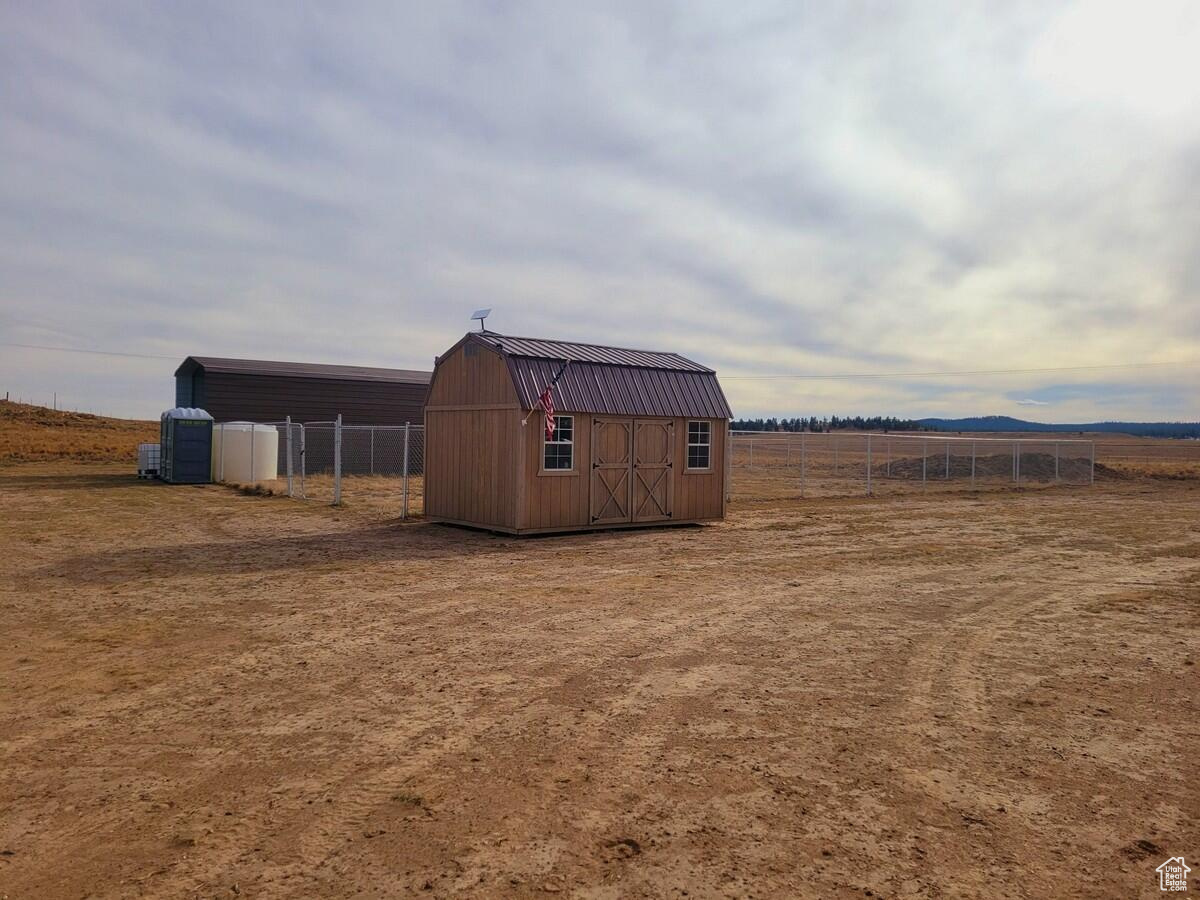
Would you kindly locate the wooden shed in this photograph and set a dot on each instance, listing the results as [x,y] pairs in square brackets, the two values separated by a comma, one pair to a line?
[640,437]
[258,390]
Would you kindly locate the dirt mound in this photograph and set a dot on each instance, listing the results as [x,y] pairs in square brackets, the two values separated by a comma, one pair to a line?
[1034,467]
[35,433]
[1179,475]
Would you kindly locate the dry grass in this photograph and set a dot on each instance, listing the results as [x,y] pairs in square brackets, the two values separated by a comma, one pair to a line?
[35,433]
[1172,469]
[378,496]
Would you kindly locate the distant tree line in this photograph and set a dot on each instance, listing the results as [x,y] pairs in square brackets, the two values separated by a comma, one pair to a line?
[1007,423]
[831,423]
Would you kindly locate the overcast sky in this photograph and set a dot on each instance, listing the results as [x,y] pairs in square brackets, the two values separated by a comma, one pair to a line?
[818,188]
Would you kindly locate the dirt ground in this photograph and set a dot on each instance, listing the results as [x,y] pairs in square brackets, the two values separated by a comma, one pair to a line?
[962,695]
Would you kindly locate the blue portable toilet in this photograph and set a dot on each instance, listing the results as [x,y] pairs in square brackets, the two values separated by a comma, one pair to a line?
[185,436]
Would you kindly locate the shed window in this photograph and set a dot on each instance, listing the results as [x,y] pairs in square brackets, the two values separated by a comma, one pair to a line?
[560,449]
[699,445]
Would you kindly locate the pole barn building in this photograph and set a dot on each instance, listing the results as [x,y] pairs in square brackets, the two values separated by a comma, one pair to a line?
[640,437]
[257,390]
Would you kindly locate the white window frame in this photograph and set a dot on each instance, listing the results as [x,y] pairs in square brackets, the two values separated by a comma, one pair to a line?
[706,444]
[570,470]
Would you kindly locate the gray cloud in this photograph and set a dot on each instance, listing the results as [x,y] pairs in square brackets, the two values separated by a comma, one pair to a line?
[770,189]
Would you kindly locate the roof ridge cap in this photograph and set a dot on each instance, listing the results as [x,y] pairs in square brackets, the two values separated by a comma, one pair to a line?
[292,362]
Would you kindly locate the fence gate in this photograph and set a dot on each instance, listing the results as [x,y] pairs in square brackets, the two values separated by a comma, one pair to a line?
[612,459]
[653,444]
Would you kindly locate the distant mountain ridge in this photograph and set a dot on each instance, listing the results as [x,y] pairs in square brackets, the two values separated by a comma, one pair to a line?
[1008,423]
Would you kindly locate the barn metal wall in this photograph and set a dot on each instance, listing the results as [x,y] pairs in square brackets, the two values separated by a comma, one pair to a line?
[269,398]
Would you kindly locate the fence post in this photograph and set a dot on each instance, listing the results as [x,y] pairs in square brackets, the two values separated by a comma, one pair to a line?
[751,463]
[789,451]
[889,456]
[288,426]
[946,475]
[728,467]
[803,464]
[924,461]
[253,429]
[404,515]
[221,463]
[1056,460]
[303,495]
[1017,462]
[372,449]
[835,455]
[868,465]
[337,461]
[1092,477]
[972,465]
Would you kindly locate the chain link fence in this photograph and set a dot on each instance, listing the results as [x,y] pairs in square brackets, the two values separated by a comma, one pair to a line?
[364,465]
[383,466]
[777,465]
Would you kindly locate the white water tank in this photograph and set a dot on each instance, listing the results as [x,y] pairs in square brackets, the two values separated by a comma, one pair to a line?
[245,453]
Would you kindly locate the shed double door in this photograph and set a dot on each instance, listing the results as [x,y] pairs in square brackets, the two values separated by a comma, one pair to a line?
[632,467]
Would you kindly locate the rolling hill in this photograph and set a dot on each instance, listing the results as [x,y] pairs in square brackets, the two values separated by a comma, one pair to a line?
[34,433]
[1008,423]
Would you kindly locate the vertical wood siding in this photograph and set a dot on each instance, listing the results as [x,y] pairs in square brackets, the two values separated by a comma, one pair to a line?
[560,501]
[471,379]
[700,495]
[470,466]
[471,454]
[557,500]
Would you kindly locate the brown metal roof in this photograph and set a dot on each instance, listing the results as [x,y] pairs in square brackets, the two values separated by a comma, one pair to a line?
[596,353]
[610,380]
[301,370]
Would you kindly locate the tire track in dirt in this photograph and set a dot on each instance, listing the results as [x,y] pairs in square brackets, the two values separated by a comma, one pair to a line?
[362,796]
[353,707]
[980,755]
[940,703]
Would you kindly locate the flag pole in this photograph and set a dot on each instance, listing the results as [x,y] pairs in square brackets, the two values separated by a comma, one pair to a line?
[553,382]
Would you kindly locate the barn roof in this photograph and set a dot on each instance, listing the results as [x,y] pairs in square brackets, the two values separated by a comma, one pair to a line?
[537,348]
[609,380]
[300,370]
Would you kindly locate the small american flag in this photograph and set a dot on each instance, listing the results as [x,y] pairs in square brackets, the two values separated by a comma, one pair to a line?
[547,401]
